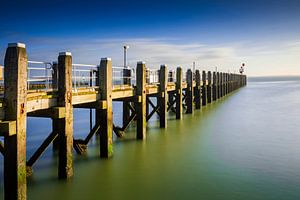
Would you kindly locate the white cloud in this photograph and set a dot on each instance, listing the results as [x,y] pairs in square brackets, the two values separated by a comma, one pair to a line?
[261,58]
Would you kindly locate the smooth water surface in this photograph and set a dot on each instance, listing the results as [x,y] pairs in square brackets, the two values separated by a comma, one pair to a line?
[245,146]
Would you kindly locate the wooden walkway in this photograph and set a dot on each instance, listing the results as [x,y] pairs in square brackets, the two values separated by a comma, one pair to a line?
[171,91]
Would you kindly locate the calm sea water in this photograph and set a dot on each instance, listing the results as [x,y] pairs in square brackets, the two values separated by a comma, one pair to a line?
[245,146]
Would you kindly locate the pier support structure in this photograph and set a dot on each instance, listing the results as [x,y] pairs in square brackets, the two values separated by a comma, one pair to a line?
[204,89]
[197,91]
[214,87]
[104,114]
[189,91]
[14,126]
[140,103]
[163,95]
[65,125]
[179,93]
[209,88]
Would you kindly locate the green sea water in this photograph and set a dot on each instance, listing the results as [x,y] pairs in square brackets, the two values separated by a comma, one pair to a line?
[244,146]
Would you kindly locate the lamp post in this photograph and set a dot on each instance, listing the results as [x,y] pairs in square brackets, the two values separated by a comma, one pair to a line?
[125,55]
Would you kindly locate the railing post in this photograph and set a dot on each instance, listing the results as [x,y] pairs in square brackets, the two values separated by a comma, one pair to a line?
[214,87]
[140,103]
[209,88]
[65,125]
[104,114]
[198,90]
[204,89]
[189,91]
[15,95]
[178,93]
[163,95]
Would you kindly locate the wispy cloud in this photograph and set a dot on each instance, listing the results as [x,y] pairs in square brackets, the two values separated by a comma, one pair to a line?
[261,58]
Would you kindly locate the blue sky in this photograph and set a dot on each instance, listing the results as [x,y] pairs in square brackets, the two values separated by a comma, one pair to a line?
[264,34]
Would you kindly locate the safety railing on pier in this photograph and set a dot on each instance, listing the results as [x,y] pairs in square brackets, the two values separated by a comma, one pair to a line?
[172,76]
[84,76]
[152,76]
[123,76]
[39,75]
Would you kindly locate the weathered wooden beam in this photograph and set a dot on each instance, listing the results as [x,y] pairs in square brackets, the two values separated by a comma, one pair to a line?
[15,96]
[163,95]
[56,113]
[64,126]
[140,106]
[204,89]
[178,93]
[209,87]
[197,90]
[8,128]
[189,91]
[105,116]
[40,150]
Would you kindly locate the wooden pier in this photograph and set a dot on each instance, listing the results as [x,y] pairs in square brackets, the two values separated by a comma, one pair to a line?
[174,91]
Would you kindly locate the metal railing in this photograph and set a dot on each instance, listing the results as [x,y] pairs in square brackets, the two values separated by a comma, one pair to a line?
[152,76]
[39,75]
[83,75]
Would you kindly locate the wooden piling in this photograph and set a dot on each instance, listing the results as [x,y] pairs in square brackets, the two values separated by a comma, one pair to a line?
[218,85]
[163,95]
[189,91]
[204,89]
[65,125]
[140,103]
[15,95]
[214,87]
[197,90]
[178,93]
[104,111]
[209,88]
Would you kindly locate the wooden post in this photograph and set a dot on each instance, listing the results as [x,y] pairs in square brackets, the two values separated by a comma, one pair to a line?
[224,83]
[163,95]
[198,90]
[230,82]
[221,84]
[189,91]
[65,125]
[218,85]
[178,93]
[140,103]
[204,89]
[104,112]
[214,87]
[227,83]
[209,88]
[15,94]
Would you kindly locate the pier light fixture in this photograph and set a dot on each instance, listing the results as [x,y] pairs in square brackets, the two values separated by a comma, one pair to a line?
[125,55]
